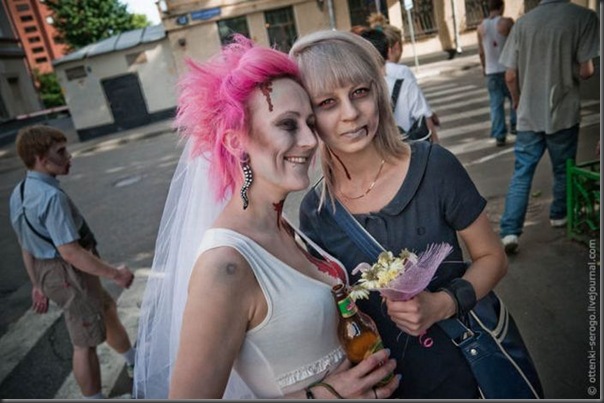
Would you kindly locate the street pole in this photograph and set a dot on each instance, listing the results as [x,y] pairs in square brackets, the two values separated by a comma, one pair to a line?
[408,7]
[455,28]
[332,15]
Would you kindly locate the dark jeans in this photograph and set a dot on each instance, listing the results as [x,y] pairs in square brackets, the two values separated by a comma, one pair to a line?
[528,150]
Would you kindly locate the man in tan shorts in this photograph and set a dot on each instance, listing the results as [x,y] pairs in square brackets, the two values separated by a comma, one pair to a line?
[60,256]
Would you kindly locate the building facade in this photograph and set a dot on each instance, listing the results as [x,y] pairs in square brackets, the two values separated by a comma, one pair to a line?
[122,82]
[197,28]
[130,79]
[18,95]
[32,21]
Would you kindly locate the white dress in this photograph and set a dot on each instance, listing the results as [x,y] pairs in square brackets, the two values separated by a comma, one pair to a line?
[296,344]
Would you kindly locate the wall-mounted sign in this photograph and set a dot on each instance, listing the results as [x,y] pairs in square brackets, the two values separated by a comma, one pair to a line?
[182,20]
[205,14]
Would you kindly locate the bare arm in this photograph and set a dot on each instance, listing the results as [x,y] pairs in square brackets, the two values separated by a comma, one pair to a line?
[511,80]
[505,25]
[480,47]
[489,262]
[489,265]
[224,302]
[39,299]
[586,69]
[431,123]
[85,261]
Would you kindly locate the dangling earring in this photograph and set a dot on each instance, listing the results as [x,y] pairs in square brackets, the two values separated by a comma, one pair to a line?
[247,182]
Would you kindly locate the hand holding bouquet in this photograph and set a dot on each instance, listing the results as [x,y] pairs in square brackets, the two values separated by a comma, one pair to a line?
[401,277]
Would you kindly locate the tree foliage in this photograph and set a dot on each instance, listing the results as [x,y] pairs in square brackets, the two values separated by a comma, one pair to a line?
[82,22]
[49,89]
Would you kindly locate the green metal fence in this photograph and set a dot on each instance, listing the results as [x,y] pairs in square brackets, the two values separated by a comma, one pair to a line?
[583,200]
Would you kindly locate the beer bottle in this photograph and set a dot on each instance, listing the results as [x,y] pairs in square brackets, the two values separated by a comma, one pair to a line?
[357,332]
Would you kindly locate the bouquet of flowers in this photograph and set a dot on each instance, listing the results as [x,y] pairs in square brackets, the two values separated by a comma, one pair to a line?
[401,277]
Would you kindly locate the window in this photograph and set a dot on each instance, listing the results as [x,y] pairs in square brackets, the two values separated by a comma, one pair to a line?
[75,72]
[476,11]
[230,26]
[37,50]
[30,29]
[22,7]
[26,18]
[281,28]
[41,60]
[33,39]
[360,10]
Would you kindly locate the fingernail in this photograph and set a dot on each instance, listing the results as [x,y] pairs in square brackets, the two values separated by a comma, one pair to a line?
[399,376]
[388,351]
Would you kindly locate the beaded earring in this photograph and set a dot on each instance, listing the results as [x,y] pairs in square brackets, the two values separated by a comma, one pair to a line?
[247,182]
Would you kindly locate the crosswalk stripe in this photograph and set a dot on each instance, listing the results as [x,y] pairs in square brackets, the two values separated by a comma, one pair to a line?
[485,125]
[471,96]
[23,336]
[112,363]
[489,157]
[455,90]
[437,86]
[427,89]
[449,117]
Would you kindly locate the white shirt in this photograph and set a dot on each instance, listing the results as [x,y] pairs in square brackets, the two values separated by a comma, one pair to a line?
[297,343]
[411,103]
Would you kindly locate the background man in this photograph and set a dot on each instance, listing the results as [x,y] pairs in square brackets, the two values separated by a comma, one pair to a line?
[60,256]
[549,49]
[492,33]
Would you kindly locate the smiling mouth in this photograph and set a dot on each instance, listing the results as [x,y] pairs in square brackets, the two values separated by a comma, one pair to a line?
[296,160]
[357,131]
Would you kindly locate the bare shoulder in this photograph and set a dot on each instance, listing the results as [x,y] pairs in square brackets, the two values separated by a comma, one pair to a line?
[505,25]
[223,269]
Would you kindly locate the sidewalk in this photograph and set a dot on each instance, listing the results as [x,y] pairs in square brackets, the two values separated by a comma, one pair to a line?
[9,160]
[438,63]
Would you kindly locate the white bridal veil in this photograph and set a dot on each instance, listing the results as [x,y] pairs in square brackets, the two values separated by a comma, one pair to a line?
[190,209]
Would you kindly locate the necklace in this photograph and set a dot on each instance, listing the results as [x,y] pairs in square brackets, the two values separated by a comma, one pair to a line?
[370,186]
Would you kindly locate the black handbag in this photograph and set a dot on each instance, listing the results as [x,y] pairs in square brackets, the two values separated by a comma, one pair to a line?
[488,336]
[419,129]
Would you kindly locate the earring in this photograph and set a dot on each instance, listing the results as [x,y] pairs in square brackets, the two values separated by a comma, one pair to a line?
[247,175]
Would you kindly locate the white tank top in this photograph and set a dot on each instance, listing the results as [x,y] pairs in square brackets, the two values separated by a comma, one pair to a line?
[296,344]
[492,43]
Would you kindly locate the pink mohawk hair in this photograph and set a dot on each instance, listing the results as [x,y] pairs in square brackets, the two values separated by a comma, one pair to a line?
[212,100]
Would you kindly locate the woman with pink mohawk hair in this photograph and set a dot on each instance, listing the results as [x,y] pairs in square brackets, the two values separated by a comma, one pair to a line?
[235,306]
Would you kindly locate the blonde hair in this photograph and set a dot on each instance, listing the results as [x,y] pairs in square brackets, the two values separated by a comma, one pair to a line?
[332,59]
[393,34]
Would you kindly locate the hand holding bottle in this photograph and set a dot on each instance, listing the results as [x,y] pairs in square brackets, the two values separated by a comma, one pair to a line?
[362,381]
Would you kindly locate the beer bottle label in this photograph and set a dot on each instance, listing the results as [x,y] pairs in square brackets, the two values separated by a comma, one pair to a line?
[377,346]
[347,307]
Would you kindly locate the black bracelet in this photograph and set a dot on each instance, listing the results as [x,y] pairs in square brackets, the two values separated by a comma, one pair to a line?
[309,394]
[463,294]
[330,388]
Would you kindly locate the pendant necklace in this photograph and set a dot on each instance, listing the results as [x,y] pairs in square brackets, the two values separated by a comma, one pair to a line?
[370,186]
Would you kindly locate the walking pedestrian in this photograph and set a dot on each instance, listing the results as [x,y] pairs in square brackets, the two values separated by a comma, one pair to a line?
[409,105]
[398,71]
[492,33]
[547,53]
[61,259]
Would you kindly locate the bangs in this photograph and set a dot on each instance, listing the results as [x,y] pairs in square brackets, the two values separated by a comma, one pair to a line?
[332,65]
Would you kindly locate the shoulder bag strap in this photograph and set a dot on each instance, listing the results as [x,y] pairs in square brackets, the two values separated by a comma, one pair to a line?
[395,92]
[359,235]
[453,328]
[31,227]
